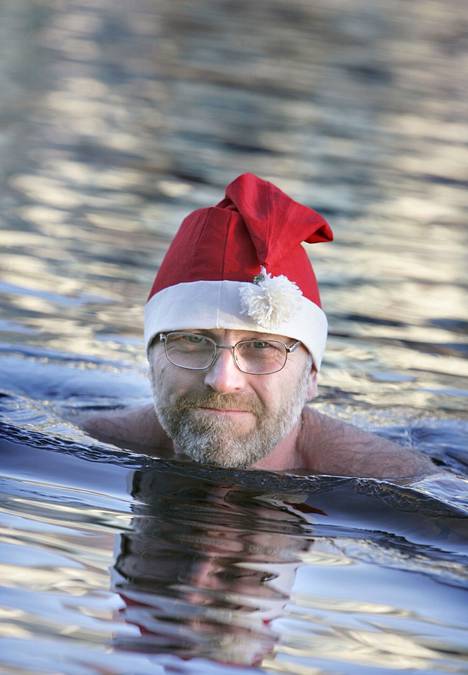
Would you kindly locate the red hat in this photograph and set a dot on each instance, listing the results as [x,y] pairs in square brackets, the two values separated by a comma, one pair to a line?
[240,265]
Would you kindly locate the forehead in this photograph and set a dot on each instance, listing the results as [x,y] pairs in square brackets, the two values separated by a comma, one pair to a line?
[219,334]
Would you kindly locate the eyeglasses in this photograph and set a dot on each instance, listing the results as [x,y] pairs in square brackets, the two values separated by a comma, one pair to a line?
[196,351]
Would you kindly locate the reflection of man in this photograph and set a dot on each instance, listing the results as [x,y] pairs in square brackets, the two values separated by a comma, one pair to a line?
[205,586]
[235,336]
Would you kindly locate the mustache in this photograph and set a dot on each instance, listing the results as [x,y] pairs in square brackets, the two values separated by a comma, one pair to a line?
[220,401]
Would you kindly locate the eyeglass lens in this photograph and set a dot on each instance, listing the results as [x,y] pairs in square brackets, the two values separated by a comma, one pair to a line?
[198,352]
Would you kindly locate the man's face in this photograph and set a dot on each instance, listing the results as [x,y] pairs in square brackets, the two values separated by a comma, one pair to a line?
[226,417]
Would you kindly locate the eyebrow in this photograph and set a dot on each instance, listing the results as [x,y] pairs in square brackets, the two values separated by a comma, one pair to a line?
[252,336]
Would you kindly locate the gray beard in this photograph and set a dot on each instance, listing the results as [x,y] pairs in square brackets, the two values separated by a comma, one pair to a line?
[208,440]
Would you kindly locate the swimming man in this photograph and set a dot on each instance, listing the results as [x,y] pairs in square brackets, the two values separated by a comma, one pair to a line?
[235,335]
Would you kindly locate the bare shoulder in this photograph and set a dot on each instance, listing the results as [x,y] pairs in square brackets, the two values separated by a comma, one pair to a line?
[131,428]
[328,445]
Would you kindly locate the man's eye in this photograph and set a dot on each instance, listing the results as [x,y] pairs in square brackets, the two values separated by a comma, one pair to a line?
[185,341]
[194,339]
[257,345]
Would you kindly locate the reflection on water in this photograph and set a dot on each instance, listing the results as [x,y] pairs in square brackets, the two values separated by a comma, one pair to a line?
[181,571]
[206,556]
[114,123]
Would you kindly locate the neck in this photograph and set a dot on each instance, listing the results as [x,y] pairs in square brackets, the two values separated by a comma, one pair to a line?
[284,455]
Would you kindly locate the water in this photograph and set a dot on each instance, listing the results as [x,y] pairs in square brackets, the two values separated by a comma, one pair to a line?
[115,121]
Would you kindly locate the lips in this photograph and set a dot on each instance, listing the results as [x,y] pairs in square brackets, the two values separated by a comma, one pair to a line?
[217,403]
[225,410]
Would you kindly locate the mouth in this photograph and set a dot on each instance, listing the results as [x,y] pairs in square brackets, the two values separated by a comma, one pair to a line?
[229,411]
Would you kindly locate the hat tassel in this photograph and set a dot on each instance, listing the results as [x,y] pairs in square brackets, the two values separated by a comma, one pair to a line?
[269,300]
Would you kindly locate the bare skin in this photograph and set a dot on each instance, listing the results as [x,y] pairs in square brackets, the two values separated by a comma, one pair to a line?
[314,443]
[319,444]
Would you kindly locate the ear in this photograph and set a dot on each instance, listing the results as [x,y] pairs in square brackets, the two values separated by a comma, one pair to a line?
[312,389]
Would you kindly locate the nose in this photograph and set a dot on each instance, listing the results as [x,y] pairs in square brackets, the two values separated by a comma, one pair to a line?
[224,376]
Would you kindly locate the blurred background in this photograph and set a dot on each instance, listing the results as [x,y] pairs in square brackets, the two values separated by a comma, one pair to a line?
[117,119]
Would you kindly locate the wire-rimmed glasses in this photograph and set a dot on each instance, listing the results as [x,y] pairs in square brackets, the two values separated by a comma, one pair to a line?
[255,356]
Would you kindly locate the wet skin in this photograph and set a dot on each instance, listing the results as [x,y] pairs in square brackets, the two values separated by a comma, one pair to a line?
[316,443]
[239,398]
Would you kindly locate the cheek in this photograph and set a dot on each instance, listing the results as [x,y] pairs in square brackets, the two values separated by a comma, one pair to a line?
[172,382]
[282,387]
[160,378]
[269,390]
[157,368]
[312,390]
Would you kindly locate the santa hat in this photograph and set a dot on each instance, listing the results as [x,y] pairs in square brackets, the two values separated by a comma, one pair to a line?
[240,265]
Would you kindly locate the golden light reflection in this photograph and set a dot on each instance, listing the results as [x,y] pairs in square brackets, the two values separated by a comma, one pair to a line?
[87,87]
[445,162]
[35,271]
[284,667]
[399,646]
[80,47]
[47,190]
[344,606]
[74,22]
[365,654]
[111,221]
[314,556]
[428,126]
[113,200]
[41,215]
[44,580]
[33,304]
[174,188]
[13,630]
[26,239]
[112,178]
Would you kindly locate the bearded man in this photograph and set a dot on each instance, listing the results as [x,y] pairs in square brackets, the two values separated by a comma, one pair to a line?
[235,336]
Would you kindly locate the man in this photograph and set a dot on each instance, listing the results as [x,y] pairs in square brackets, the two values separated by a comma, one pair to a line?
[235,335]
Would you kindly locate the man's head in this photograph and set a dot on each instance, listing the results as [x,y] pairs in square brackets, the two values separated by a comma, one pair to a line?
[234,272]
[221,414]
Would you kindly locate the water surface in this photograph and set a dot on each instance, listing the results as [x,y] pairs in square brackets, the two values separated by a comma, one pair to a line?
[115,121]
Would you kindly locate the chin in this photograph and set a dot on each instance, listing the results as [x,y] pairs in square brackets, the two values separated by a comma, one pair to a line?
[227,455]
[205,439]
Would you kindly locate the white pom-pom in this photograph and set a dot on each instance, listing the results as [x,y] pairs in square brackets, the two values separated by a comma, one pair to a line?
[270,301]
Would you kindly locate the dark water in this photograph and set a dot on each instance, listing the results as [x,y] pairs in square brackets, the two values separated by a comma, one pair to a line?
[116,119]
[119,564]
